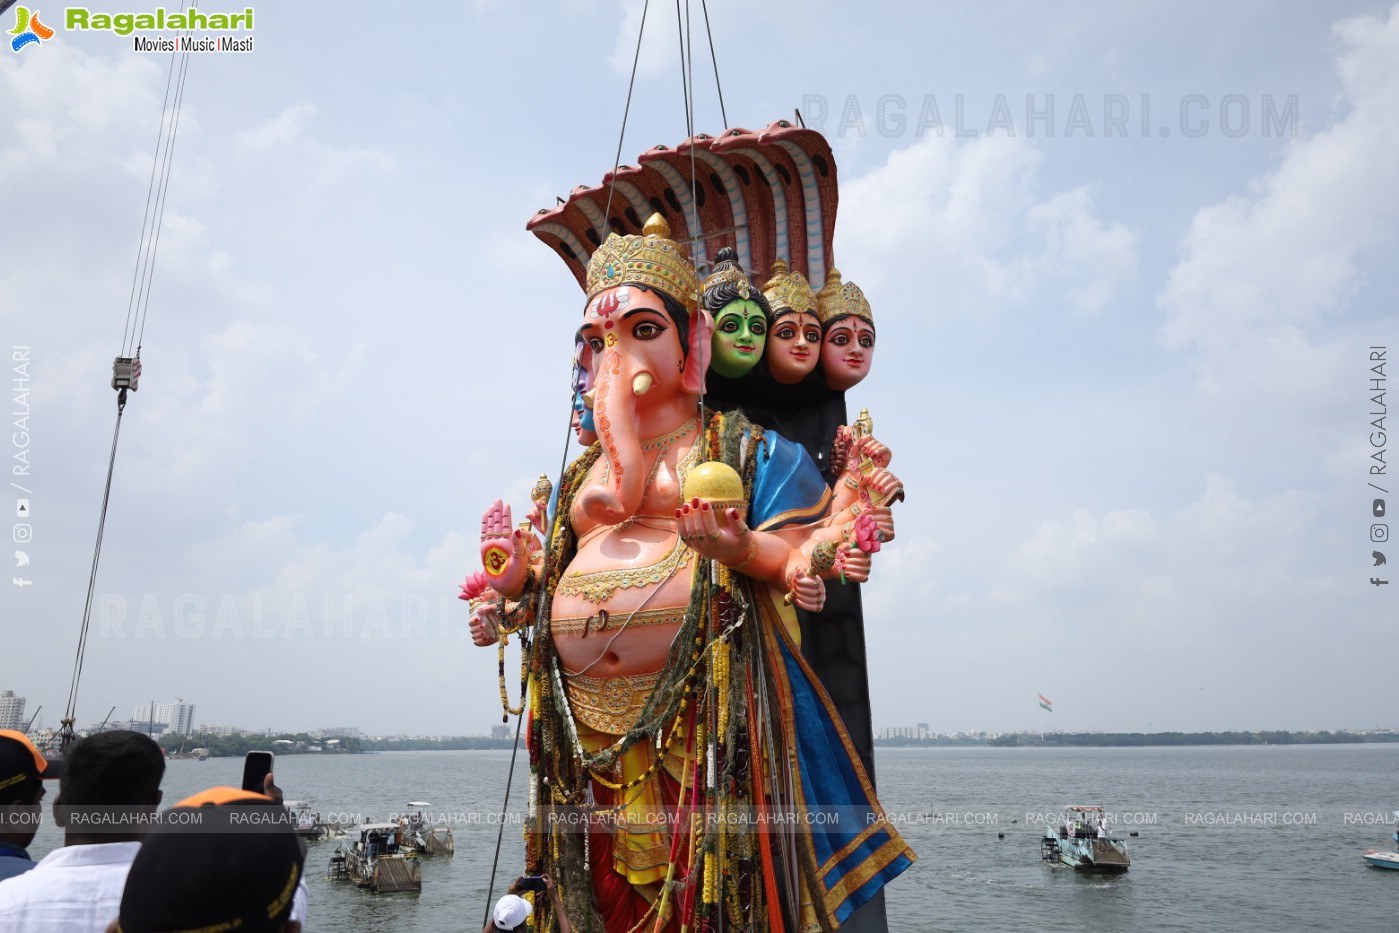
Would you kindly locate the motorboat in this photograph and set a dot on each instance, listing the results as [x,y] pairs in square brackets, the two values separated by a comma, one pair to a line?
[421,835]
[378,860]
[1084,842]
[1380,858]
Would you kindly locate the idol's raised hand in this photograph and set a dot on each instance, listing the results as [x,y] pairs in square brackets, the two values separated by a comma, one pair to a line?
[504,551]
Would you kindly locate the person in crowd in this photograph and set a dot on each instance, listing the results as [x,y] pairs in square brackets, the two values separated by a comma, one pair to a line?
[512,911]
[107,799]
[23,770]
[224,859]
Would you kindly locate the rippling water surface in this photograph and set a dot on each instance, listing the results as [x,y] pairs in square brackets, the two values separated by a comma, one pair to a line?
[1239,839]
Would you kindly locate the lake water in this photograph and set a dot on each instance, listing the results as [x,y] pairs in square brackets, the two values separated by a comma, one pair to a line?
[1240,839]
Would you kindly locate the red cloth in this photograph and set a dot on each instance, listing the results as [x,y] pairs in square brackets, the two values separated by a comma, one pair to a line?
[620,905]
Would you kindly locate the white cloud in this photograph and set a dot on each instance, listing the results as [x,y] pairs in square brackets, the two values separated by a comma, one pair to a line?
[659,45]
[1261,273]
[320,165]
[1144,604]
[70,110]
[966,216]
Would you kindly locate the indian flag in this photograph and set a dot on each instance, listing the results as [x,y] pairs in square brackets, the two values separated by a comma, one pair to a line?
[1046,703]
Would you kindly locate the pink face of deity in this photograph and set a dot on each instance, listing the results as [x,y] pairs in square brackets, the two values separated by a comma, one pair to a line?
[633,324]
[847,350]
[793,346]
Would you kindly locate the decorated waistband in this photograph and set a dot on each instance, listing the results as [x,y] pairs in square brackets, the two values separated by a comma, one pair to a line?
[610,704]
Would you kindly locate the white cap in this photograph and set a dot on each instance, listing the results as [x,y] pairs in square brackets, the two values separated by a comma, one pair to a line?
[511,911]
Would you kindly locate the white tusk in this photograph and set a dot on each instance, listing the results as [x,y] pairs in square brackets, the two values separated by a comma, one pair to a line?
[641,384]
[588,399]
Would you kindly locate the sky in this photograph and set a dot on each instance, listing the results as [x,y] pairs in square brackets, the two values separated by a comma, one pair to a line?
[1124,356]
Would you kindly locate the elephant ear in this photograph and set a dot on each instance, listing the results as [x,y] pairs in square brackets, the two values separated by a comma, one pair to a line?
[697,361]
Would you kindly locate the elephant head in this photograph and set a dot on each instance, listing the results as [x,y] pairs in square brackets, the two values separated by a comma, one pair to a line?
[649,359]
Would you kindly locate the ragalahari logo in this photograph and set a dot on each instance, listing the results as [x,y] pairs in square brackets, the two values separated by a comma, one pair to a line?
[28,30]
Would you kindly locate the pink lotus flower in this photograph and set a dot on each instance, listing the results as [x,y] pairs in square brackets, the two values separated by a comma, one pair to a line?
[474,586]
[867,536]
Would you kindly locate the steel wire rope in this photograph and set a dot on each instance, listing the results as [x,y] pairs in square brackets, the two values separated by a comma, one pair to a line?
[164,189]
[71,709]
[704,5]
[687,87]
[539,610]
[602,235]
[142,243]
[152,219]
[622,134]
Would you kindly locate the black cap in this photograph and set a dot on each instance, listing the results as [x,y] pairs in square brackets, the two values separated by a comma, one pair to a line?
[215,866]
[22,764]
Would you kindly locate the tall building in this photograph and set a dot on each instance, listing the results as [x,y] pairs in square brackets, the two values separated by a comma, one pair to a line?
[11,710]
[178,717]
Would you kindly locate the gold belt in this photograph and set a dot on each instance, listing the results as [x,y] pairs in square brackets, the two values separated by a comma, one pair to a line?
[614,622]
[609,704]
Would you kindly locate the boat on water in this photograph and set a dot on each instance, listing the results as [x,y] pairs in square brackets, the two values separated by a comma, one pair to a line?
[421,835]
[1084,842]
[377,860]
[1380,858]
[308,822]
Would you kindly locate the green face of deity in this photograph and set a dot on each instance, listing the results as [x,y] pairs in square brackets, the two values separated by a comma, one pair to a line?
[740,330]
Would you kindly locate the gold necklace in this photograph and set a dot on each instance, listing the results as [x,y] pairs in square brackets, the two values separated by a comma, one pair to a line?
[665,440]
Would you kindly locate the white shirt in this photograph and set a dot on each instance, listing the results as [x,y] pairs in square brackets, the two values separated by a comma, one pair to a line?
[75,889]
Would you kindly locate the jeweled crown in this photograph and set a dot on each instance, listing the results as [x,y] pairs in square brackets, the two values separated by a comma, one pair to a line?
[652,259]
[838,299]
[731,272]
[788,291]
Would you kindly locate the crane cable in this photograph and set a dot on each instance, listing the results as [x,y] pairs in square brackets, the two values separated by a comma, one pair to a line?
[687,82]
[127,368]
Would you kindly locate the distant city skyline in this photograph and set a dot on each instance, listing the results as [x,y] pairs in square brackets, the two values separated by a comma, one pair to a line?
[176,717]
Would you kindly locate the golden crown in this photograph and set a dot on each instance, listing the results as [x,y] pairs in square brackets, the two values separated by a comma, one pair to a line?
[788,291]
[838,299]
[731,273]
[652,259]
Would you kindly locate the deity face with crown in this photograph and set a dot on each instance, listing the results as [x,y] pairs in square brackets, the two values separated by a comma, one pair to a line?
[740,315]
[847,340]
[847,350]
[740,333]
[795,330]
[794,345]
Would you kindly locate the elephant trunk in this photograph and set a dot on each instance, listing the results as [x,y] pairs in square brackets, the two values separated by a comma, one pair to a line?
[618,427]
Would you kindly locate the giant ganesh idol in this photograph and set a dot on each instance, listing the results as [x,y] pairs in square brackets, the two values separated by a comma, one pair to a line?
[688,770]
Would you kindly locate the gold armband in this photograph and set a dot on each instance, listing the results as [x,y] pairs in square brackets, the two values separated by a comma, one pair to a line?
[752,553]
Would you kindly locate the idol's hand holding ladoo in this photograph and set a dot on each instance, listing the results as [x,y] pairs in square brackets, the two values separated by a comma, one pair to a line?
[714,533]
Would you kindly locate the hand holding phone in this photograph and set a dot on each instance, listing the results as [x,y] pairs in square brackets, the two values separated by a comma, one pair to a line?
[531,883]
[256,767]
